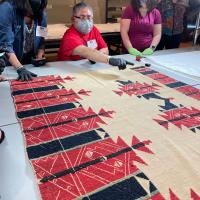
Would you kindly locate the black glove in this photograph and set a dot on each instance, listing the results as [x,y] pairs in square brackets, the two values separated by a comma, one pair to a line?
[38,62]
[120,62]
[25,75]
[3,60]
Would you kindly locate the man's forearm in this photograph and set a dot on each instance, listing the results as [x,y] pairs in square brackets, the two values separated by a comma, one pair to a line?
[104,51]
[97,56]
[91,54]
[13,60]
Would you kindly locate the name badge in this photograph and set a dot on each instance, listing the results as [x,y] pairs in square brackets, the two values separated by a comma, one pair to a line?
[92,44]
[1,54]
[41,31]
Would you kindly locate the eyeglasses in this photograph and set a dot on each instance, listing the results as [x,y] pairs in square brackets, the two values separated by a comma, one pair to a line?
[83,17]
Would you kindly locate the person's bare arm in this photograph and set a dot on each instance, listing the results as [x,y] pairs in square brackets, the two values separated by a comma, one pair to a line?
[124,29]
[23,73]
[13,60]
[104,51]
[157,29]
[97,56]
[91,54]
[40,54]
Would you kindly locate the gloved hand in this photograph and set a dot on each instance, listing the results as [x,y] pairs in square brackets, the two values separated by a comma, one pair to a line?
[3,59]
[147,52]
[121,63]
[25,75]
[134,52]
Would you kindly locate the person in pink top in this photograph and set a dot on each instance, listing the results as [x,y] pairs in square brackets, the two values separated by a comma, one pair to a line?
[141,27]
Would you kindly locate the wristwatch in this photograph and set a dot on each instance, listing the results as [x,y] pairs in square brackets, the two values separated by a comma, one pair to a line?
[153,48]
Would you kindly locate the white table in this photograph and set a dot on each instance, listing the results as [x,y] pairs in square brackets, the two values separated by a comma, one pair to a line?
[16,175]
[56,31]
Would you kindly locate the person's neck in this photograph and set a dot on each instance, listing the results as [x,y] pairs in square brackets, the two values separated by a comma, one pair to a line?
[143,14]
[28,21]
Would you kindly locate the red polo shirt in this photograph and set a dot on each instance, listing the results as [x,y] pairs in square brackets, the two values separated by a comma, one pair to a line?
[72,39]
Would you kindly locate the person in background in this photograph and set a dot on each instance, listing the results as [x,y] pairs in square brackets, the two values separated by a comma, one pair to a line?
[172,12]
[3,61]
[140,27]
[22,28]
[83,40]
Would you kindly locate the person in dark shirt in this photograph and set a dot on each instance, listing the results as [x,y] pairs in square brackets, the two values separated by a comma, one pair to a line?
[172,12]
[22,25]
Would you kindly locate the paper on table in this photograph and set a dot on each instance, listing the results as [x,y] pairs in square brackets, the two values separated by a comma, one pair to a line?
[188,62]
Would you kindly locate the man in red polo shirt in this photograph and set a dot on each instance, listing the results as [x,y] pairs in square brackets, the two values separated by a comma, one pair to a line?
[83,40]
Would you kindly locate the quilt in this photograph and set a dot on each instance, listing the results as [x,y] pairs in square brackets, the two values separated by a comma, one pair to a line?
[111,135]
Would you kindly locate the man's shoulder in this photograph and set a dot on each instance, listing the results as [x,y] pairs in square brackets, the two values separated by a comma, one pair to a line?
[95,30]
[71,33]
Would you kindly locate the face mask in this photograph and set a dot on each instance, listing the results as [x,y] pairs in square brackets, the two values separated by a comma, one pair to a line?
[84,26]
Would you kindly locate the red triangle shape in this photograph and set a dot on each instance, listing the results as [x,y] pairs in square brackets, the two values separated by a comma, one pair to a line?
[103,113]
[121,142]
[166,125]
[135,140]
[145,149]
[173,196]
[194,195]
[90,110]
[157,196]
[118,92]
[84,92]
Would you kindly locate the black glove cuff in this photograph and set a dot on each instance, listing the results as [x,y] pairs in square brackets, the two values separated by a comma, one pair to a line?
[20,69]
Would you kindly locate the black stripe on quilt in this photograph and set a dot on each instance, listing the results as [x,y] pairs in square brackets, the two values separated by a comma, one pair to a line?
[31,90]
[128,189]
[63,122]
[149,72]
[67,143]
[90,163]
[176,84]
[140,67]
[46,110]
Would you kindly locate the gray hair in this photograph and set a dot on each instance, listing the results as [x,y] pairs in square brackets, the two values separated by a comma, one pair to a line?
[80,6]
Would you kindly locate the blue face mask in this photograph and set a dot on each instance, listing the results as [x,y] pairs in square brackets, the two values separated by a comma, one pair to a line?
[84,26]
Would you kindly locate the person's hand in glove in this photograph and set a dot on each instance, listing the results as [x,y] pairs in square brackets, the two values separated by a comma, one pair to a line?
[24,74]
[147,52]
[121,63]
[134,52]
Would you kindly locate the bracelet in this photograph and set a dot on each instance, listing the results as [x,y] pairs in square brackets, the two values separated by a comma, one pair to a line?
[153,48]
[19,67]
